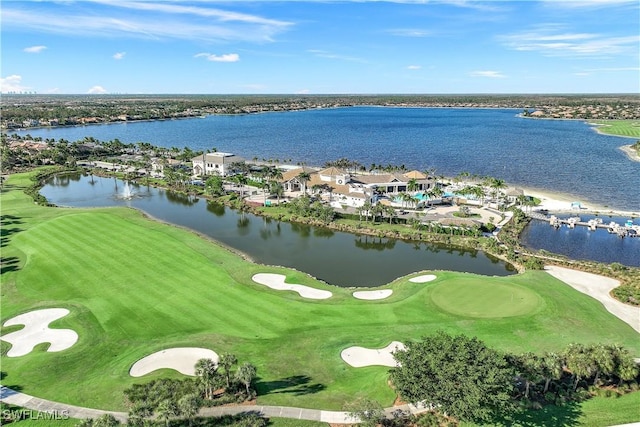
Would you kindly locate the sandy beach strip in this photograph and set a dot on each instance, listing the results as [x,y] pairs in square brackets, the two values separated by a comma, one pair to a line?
[631,153]
[559,202]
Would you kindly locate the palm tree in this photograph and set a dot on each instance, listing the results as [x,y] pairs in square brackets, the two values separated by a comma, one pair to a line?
[579,362]
[188,406]
[206,371]
[604,360]
[241,180]
[413,185]
[276,189]
[390,211]
[551,369]
[166,410]
[227,360]
[245,374]
[496,185]
[406,199]
[364,209]
[304,177]
[530,369]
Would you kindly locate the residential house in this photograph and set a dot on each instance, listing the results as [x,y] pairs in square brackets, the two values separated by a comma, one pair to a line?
[217,163]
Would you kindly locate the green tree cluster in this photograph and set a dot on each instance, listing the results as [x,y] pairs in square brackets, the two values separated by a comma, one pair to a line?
[462,377]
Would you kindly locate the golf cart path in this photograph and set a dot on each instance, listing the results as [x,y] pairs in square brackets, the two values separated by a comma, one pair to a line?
[16,398]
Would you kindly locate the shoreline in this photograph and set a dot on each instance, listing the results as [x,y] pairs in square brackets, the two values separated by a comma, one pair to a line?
[630,152]
[561,203]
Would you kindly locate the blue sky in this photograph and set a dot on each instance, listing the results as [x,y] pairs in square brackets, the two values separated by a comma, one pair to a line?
[320,47]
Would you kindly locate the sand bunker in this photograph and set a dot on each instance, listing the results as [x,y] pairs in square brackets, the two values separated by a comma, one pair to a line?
[276,281]
[423,279]
[181,359]
[598,287]
[36,331]
[372,295]
[359,357]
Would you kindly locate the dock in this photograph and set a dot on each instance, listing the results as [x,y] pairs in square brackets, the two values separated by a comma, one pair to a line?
[622,230]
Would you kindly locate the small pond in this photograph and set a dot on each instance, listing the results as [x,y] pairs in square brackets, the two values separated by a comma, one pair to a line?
[338,258]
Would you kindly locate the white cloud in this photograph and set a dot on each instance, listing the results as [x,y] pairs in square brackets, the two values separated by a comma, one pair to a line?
[414,67]
[330,55]
[588,4]
[150,21]
[551,40]
[119,55]
[34,49]
[410,32]
[490,74]
[13,83]
[97,90]
[227,57]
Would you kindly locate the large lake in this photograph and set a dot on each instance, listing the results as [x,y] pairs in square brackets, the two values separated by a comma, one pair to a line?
[557,155]
[340,259]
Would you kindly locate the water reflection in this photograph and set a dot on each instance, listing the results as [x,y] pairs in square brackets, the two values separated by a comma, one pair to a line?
[377,243]
[338,258]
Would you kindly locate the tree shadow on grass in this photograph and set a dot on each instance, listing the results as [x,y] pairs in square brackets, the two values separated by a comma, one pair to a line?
[10,220]
[567,415]
[8,264]
[8,389]
[298,385]
[5,233]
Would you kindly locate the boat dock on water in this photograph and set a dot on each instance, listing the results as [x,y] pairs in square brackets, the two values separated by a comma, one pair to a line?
[628,229]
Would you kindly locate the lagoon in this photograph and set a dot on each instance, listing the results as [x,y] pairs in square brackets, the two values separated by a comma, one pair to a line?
[563,156]
[337,258]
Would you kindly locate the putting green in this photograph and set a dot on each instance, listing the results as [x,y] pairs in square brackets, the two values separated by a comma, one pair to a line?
[134,287]
[485,298]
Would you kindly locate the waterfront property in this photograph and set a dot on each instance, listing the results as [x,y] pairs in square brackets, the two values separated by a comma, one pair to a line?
[134,287]
[343,189]
[217,163]
[488,142]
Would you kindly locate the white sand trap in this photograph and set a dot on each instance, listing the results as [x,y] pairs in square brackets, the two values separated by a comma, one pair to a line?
[423,279]
[181,359]
[598,287]
[359,357]
[36,331]
[276,281]
[372,295]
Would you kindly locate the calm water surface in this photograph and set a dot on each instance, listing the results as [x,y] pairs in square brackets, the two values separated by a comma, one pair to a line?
[580,243]
[557,155]
[338,258]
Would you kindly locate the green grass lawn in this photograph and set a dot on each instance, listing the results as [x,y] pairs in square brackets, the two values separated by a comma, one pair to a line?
[628,128]
[135,286]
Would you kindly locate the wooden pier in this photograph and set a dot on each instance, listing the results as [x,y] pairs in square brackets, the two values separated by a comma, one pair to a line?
[622,230]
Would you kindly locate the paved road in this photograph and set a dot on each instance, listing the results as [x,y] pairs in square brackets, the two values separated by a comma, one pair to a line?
[23,400]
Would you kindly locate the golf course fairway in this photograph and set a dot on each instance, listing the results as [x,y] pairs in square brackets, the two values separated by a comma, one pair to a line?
[134,286]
